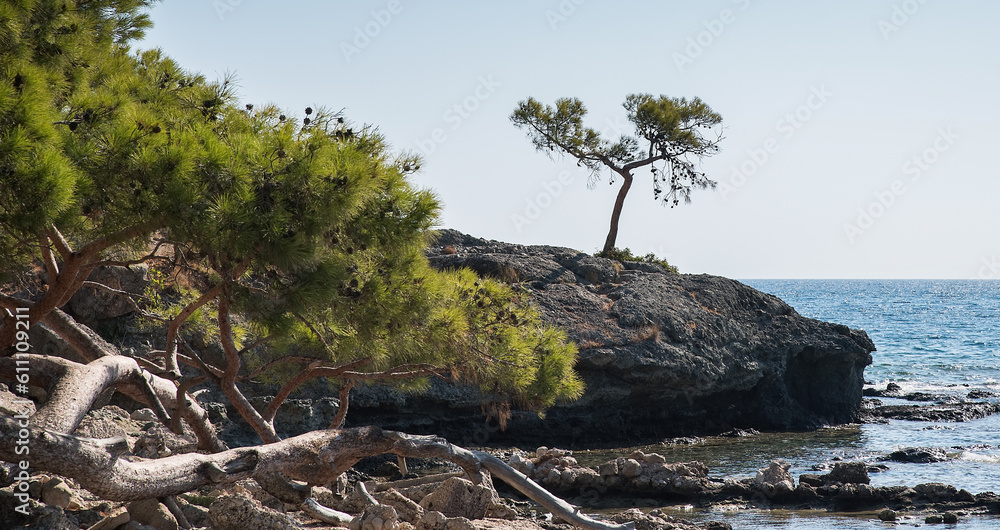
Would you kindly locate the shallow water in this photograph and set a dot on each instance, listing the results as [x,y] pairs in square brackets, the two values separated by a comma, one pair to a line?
[810,520]
[941,337]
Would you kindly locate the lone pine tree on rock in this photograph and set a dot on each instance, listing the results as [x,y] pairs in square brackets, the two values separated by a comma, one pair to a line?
[671,135]
[294,246]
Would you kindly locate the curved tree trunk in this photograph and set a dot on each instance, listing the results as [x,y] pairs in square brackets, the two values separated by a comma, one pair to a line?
[609,243]
[154,391]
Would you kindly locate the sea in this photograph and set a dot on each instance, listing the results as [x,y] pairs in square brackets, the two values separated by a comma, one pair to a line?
[934,336]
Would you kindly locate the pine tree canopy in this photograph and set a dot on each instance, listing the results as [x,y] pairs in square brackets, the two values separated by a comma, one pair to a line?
[294,242]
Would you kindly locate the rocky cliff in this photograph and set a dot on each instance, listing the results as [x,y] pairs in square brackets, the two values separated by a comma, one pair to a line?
[662,355]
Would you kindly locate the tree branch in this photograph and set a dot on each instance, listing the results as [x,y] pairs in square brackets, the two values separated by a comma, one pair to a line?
[263,428]
[51,269]
[312,372]
[345,403]
[77,387]
[557,506]
[315,458]
[62,246]
[95,247]
[170,356]
[644,162]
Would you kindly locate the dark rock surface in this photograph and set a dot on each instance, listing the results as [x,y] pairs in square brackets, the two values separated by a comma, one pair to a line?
[661,354]
[943,412]
[919,455]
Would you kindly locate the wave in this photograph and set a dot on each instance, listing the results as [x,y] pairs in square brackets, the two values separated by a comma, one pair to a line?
[979,458]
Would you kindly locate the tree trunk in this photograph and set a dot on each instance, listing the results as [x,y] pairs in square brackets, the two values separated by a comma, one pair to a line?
[91,347]
[609,243]
[263,427]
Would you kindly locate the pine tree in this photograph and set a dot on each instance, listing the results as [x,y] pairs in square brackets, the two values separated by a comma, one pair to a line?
[671,134]
[296,243]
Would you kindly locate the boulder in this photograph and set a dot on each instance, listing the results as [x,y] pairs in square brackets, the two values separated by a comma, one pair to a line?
[775,480]
[92,305]
[457,497]
[406,509]
[240,512]
[848,473]
[112,521]
[936,491]
[376,517]
[657,520]
[437,521]
[151,513]
[919,455]
[662,355]
[55,492]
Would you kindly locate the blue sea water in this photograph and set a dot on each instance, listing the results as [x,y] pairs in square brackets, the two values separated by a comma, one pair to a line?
[931,334]
[936,336]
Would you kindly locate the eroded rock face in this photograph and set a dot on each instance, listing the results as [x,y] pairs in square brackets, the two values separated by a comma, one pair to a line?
[662,355]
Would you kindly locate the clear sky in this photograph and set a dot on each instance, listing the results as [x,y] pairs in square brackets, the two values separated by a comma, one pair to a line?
[861,135]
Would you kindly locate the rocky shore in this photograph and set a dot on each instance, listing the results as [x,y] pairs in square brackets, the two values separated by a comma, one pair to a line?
[663,355]
[844,488]
[931,407]
[382,497]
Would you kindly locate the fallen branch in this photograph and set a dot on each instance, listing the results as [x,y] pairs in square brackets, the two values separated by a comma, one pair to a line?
[559,508]
[323,514]
[420,481]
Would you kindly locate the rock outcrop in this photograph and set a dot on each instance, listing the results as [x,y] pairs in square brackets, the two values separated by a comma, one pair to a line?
[648,476]
[662,355]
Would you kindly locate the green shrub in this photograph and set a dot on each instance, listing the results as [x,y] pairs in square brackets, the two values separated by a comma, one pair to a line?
[625,254]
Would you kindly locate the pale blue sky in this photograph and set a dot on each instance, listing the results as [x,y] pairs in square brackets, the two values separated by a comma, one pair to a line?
[886,81]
